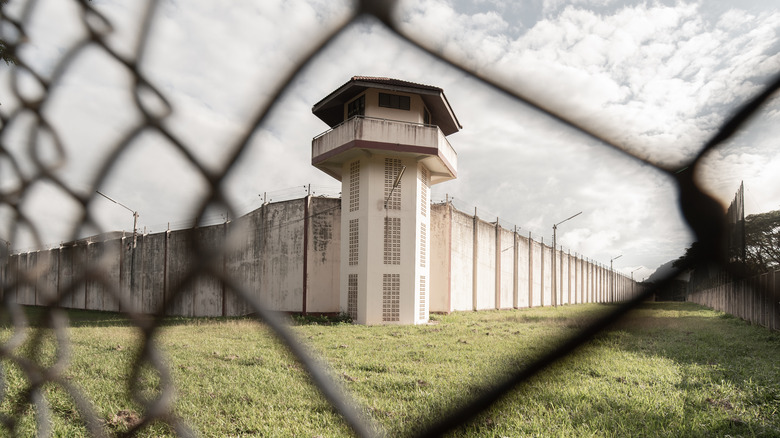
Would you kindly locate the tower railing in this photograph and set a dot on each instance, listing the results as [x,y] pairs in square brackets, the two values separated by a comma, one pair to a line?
[384,131]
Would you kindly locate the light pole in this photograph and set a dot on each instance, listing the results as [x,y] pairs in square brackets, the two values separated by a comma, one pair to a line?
[612,276]
[135,215]
[632,280]
[554,282]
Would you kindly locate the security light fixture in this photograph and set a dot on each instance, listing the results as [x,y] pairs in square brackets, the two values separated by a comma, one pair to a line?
[135,215]
[554,285]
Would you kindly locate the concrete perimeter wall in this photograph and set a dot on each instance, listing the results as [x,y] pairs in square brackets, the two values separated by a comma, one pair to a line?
[756,299]
[479,265]
[286,256]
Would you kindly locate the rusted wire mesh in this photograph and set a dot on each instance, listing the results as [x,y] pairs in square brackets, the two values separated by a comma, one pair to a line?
[703,214]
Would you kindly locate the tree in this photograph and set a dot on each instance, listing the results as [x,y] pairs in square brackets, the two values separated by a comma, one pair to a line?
[691,257]
[762,241]
[5,54]
[762,246]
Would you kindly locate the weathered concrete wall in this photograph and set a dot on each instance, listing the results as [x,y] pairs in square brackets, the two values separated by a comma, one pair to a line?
[547,275]
[506,251]
[208,288]
[71,276]
[5,262]
[25,293]
[103,264]
[573,278]
[95,288]
[243,261]
[535,293]
[564,285]
[756,299]
[11,283]
[323,255]
[194,266]
[462,270]
[587,279]
[286,256]
[565,275]
[583,280]
[46,284]
[440,243]
[592,281]
[605,291]
[486,266]
[281,281]
[488,253]
[149,274]
[603,285]
[577,280]
[555,283]
[179,274]
[523,276]
[127,303]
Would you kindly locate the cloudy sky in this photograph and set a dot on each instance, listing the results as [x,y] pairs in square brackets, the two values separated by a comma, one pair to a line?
[656,78]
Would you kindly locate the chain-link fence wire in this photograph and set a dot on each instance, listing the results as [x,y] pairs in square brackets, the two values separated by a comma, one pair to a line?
[703,214]
[215,217]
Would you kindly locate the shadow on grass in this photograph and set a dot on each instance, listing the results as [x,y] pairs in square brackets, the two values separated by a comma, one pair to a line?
[38,316]
[725,364]
[725,371]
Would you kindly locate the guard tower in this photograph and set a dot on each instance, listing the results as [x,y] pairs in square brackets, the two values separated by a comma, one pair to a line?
[387,146]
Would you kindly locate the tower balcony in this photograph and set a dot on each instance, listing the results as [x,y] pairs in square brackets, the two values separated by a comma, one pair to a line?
[361,135]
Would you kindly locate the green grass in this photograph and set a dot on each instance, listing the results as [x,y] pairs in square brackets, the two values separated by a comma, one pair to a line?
[667,370]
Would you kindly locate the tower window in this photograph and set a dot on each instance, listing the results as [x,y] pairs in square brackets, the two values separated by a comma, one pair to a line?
[423,296]
[392,240]
[426,116]
[354,232]
[357,107]
[394,101]
[423,244]
[354,186]
[423,191]
[391,297]
[352,296]
[393,196]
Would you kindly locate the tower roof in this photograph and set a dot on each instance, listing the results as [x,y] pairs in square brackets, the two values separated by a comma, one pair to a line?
[331,108]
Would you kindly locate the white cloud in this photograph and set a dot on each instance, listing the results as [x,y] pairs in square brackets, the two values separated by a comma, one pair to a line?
[658,80]
[215,65]
[551,7]
[648,77]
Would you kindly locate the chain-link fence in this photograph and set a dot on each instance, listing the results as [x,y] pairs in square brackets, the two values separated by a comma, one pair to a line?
[703,214]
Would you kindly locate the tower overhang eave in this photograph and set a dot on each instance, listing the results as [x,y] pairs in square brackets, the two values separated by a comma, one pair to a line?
[331,108]
[332,162]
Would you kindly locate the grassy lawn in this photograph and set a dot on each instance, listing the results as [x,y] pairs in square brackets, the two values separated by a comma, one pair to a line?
[668,370]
